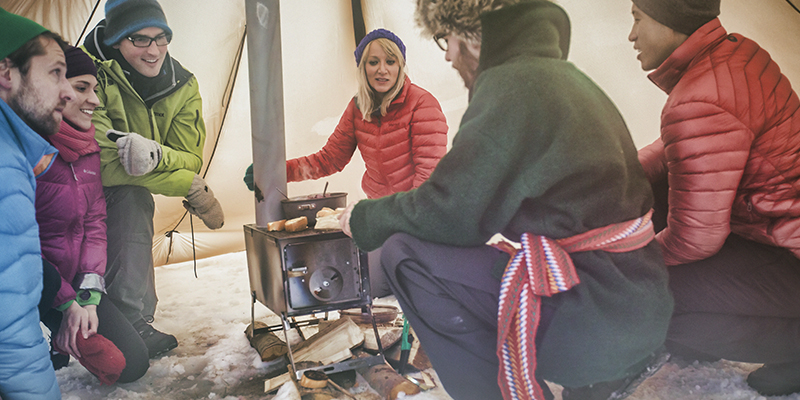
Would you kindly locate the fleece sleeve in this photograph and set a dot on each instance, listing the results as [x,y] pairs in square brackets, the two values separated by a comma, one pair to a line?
[476,188]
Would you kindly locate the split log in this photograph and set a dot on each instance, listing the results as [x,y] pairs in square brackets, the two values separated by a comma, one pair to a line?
[387,382]
[388,338]
[331,344]
[268,345]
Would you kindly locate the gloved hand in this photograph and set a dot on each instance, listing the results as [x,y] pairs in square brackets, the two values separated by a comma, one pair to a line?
[137,154]
[248,178]
[201,202]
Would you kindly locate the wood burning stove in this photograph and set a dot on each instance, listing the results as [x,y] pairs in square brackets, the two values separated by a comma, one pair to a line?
[306,272]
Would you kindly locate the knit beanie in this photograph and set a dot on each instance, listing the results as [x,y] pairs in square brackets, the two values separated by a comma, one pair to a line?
[683,16]
[124,17]
[459,17]
[79,63]
[16,31]
[377,34]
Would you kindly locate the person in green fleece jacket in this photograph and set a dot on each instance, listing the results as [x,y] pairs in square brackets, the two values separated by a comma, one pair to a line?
[543,157]
[149,125]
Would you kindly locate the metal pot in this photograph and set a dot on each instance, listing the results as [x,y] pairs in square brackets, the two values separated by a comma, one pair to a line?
[309,205]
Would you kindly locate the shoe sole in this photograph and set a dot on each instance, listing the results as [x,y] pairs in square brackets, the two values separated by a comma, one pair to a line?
[651,370]
[163,351]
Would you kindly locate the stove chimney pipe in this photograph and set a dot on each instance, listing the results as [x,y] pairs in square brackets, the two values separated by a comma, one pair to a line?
[266,107]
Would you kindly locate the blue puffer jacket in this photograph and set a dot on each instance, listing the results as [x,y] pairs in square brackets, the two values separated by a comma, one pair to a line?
[25,368]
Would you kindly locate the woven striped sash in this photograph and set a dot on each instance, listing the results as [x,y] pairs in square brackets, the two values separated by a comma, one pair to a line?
[543,267]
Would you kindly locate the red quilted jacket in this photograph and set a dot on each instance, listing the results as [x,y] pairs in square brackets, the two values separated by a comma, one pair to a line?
[400,149]
[730,145]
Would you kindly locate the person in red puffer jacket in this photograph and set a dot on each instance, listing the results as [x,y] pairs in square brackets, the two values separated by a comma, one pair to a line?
[726,174]
[398,126]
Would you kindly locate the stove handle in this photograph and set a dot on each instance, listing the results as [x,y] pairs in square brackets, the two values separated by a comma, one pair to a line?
[295,272]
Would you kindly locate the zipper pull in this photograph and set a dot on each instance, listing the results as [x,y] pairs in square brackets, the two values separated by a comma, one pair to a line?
[75,176]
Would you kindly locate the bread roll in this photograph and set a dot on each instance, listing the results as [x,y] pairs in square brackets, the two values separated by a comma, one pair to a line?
[275,226]
[325,211]
[297,224]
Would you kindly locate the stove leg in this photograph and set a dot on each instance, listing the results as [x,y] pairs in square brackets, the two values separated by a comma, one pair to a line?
[286,327]
[253,312]
[375,330]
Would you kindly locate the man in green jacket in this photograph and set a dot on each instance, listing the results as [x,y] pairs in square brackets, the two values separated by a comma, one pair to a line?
[543,157]
[151,133]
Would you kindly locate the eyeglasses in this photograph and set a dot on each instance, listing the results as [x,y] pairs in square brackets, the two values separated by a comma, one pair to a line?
[146,41]
[441,41]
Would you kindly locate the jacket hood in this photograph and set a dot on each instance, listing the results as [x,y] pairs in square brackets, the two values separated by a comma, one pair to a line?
[538,29]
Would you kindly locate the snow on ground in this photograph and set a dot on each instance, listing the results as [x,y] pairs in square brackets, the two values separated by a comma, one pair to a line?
[214,360]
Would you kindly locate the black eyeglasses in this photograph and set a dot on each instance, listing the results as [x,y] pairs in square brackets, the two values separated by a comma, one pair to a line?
[146,41]
[441,41]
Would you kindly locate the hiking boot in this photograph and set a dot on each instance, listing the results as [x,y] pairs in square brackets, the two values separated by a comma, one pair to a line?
[157,342]
[59,360]
[776,379]
[619,389]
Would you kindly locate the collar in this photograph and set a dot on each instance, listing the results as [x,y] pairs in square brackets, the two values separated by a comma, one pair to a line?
[32,146]
[699,44]
[536,28]
[401,97]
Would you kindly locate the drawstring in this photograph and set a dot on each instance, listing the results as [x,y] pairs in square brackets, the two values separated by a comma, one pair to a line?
[194,254]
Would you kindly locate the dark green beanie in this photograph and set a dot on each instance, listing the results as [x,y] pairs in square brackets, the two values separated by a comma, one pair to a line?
[16,31]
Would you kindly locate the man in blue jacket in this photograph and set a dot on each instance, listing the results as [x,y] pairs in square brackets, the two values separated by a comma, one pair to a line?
[34,91]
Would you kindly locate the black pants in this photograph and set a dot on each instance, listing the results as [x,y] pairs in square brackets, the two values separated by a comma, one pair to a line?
[52,284]
[450,298]
[130,279]
[116,328]
[741,304]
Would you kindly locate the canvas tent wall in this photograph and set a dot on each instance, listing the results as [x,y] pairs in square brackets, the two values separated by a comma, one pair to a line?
[319,80]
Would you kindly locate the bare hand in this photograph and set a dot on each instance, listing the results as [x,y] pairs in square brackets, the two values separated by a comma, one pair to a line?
[75,319]
[344,219]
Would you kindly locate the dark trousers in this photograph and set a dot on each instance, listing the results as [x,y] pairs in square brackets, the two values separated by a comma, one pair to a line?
[741,304]
[450,298]
[116,328]
[130,279]
[52,284]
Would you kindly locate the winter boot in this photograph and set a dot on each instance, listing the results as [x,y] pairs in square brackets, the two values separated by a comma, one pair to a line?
[59,360]
[157,342]
[776,379]
[619,389]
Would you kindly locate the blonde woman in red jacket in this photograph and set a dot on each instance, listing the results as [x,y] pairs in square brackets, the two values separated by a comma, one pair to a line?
[727,172]
[398,126]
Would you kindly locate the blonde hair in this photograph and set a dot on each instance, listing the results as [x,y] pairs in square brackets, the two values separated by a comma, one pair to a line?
[366,97]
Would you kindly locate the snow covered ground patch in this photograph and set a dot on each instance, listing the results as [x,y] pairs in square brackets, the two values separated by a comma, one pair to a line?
[214,360]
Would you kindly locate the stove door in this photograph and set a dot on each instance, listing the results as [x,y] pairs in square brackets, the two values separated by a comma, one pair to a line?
[322,274]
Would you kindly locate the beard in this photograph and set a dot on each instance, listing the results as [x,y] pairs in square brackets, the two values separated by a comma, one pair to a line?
[28,104]
[467,65]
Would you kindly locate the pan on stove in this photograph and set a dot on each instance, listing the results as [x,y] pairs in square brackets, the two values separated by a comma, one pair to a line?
[309,205]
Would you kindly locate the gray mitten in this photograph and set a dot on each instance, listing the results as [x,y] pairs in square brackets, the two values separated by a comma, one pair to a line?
[201,202]
[137,154]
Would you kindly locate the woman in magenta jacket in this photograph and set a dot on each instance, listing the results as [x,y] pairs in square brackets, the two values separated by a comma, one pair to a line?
[398,126]
[71,213]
